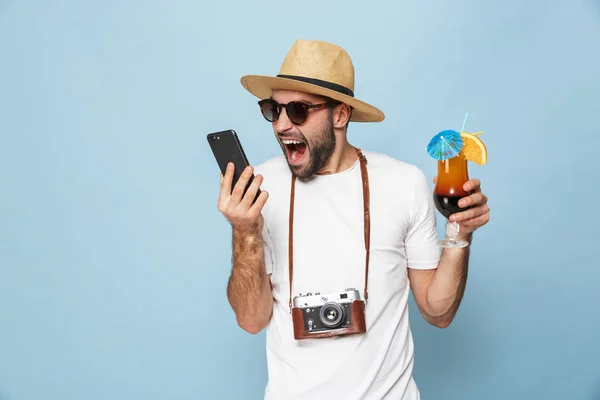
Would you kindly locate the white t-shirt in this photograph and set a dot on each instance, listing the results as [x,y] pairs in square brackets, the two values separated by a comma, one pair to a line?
[329,256]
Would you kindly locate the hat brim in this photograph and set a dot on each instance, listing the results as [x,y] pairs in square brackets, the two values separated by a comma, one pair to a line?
[262,87]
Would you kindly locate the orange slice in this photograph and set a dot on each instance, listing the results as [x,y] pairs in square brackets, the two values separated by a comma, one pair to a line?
[473,148]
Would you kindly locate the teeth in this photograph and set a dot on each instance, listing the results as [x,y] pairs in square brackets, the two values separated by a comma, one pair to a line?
[291,142]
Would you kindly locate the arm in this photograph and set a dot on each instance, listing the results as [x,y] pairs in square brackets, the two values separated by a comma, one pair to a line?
[438,292]
[249,288]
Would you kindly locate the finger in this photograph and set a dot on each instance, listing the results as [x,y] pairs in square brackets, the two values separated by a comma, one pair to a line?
[469,214]
[475,199]
[472,185]
[434,179]
[479,221]
[246,202]
[226,181]
[238,190]
[259,203]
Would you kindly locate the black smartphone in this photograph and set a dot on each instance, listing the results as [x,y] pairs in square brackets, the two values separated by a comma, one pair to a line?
[226,148]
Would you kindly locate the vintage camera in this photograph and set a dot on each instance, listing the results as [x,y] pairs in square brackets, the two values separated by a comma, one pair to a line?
[328,315]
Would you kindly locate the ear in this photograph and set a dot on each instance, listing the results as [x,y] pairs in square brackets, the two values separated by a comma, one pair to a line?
[341,115]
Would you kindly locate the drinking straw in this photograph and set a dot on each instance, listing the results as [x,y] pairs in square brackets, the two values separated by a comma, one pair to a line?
[464,122]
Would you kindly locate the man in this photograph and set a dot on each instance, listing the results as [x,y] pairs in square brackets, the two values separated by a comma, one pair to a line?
[357,218]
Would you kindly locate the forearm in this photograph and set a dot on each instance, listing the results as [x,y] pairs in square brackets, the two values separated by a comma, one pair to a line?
[249,288]
[447,287]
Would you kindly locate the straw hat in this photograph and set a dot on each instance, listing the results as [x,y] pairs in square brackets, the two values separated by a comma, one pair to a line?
[319,68]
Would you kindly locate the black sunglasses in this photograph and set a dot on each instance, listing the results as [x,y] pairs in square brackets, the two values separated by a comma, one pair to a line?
[296,111]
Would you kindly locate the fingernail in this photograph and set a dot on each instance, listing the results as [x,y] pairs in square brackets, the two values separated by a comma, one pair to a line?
[229,165]
[462,203]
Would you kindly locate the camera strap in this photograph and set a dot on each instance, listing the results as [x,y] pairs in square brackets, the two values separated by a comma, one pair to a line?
[367,222]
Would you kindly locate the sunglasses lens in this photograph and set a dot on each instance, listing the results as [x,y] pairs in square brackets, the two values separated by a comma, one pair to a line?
[297,112]
[269,110]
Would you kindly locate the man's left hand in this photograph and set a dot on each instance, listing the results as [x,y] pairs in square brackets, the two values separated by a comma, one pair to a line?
[479,212]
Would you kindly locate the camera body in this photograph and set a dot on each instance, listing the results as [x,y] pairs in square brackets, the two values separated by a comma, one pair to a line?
[328,315]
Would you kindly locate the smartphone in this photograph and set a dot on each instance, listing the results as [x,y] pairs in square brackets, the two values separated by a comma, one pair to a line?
[226,148]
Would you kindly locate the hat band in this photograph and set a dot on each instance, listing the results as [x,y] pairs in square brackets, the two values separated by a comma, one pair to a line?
[319,82]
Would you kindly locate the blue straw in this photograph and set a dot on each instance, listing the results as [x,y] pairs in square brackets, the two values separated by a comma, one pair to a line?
[464,122]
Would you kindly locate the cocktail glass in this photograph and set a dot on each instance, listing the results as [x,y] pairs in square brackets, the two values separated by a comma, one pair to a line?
[452,174]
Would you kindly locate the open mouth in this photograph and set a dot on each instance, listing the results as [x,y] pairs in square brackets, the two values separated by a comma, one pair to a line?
[296,150]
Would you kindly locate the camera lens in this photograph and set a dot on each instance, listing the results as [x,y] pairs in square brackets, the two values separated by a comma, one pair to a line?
[332,315]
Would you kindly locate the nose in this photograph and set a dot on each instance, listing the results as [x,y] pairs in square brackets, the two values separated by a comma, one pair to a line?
[283,123]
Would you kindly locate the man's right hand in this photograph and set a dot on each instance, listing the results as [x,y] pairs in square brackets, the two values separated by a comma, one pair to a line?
[238,210]
[249,287]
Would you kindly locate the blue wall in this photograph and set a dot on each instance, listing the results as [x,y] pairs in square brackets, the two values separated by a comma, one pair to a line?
[114,258]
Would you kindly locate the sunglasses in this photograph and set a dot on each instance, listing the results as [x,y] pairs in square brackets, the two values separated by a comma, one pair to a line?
[296,111]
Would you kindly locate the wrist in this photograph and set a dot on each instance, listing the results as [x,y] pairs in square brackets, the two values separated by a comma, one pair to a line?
[247,245]
[247,233]
[468,236]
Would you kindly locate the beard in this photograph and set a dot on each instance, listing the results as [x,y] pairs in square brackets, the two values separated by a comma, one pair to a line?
[319,148]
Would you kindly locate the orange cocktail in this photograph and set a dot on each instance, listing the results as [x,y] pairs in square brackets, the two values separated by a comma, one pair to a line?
[452,174]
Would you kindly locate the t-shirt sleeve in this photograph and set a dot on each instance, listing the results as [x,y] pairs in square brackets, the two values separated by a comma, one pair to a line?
[422,250]
[268,250]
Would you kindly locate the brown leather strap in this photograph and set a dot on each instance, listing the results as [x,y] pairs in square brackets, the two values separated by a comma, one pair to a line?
[291,236]
[367,212]
[367,223]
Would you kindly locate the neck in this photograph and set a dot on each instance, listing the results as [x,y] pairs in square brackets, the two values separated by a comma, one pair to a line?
[343,157]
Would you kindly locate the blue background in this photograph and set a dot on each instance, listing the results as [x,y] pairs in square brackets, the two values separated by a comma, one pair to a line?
[114,258]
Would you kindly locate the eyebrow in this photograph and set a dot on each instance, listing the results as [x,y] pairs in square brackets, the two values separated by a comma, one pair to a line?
[301,101]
